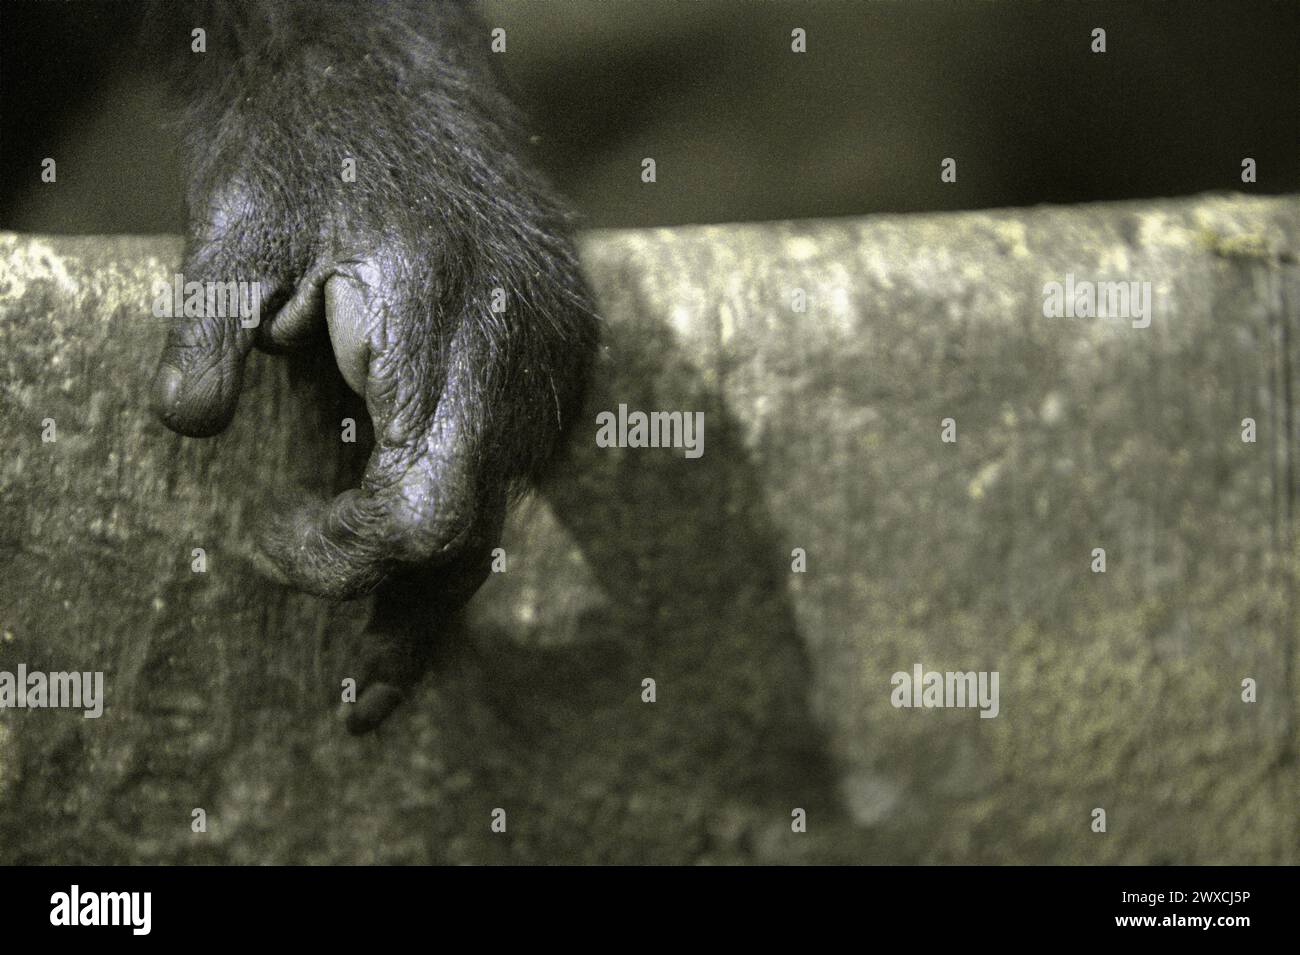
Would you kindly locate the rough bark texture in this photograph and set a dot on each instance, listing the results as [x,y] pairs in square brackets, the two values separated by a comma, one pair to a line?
[1119,691]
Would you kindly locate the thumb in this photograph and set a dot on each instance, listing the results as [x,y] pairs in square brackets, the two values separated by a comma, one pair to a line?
[213,315]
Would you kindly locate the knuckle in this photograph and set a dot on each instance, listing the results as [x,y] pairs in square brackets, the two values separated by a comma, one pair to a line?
[425,530]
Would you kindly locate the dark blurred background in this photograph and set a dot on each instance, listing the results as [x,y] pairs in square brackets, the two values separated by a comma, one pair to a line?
[741,127]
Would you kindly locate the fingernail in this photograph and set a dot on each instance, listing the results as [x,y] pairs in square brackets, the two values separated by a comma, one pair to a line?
[167,390]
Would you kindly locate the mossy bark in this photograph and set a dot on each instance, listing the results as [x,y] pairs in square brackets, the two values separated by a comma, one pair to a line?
[1119,691]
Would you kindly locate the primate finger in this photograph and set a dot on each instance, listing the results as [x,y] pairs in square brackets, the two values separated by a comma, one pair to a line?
[209,335]
[412,612]
[416,503]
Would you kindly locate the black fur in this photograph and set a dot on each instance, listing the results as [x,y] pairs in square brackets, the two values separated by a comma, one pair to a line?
[468,405]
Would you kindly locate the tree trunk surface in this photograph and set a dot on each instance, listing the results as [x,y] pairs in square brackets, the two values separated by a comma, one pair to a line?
[827,539]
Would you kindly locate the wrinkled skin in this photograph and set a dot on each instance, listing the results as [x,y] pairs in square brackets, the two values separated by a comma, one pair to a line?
[399,269]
